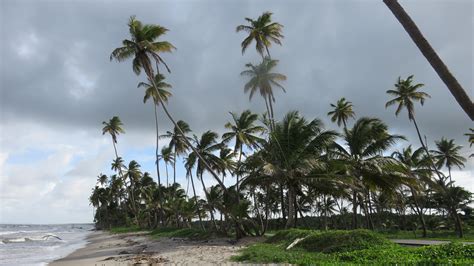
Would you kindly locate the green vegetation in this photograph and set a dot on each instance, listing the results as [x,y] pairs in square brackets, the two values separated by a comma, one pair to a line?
[122,230]
[286,171]
[350,247]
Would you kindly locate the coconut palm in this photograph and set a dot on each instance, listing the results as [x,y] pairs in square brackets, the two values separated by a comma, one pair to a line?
[263,31]
[406,93]
[262,79]
[145,50]
[114,128]
[363,159]
[342,112]
[244,131]
[430,54]
[413,166]
[151,93]
[179,142]
[293,152]
[168,158]
[447,154]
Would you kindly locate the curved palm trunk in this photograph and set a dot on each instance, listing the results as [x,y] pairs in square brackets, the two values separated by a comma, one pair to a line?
[174,164]
[441,69]
[157,153]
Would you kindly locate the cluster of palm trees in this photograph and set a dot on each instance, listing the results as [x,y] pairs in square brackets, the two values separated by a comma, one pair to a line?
[285,170]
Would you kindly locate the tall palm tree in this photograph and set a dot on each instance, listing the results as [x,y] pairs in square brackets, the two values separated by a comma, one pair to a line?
[263,31]
[145,50]
[366,141]
[168,158]
[471,139]
[262,79]
[114,128]
[189,164]
[447,154]
[342,112]
[406,93]
[179,142]
[244,131]
[133,174]
[441,69]
[151,93]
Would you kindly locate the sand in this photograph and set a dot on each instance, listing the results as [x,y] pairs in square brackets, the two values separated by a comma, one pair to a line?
[106,249]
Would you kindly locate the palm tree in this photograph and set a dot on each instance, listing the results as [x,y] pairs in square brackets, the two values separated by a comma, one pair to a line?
[263,31]
[471,139]
[114,128]
[262,79]
[363,160]
[179,142]
[441,69]
[406,93]
[413,166]
[168,158]
[447,154]
[151,92]
[189,164]
[144,49]
[133,174]
[293,153]
[342,112]
[244,131]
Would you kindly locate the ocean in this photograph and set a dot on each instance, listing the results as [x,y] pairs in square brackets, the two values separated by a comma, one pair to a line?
[23,244]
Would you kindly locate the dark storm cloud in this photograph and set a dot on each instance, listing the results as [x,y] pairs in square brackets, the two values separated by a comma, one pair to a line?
[55,66]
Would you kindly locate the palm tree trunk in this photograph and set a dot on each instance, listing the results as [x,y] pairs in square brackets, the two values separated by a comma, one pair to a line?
[282,202]
[441,69]
[425,148]
[166,167]
[419,210]
[354,210]
[196,202]
[271,110]
[238,174]
[174,164]
[291,207]
[157,153]
[206,164]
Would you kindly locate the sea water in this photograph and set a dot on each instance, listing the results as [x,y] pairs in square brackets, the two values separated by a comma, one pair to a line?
[22,244]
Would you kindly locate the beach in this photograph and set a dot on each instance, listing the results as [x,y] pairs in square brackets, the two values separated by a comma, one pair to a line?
[106,249]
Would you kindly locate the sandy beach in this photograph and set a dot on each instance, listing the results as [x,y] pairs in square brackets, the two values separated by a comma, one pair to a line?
[106,249]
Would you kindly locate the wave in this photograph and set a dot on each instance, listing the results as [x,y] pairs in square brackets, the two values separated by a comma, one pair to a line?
[28,239]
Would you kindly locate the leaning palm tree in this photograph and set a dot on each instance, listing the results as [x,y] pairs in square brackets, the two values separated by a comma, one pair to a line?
[430,54]
[447,154]
[262,79]
[114,128]
[244,131]
[145,51]
[342,112]
[263,31]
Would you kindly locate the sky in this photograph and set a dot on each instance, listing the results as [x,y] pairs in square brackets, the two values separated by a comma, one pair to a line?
[58,85]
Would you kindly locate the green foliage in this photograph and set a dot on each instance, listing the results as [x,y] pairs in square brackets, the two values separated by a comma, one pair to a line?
[268,253]
[341,241]
[361,252]
[190,233]
[122,230]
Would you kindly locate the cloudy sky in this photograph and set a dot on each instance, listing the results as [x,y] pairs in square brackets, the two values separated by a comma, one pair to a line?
[58,85]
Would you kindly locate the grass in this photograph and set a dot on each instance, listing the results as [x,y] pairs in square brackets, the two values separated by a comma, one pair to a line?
[348,248]
[123,230]
[191,233]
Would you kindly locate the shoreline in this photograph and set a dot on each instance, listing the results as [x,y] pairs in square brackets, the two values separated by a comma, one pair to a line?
[104,248]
